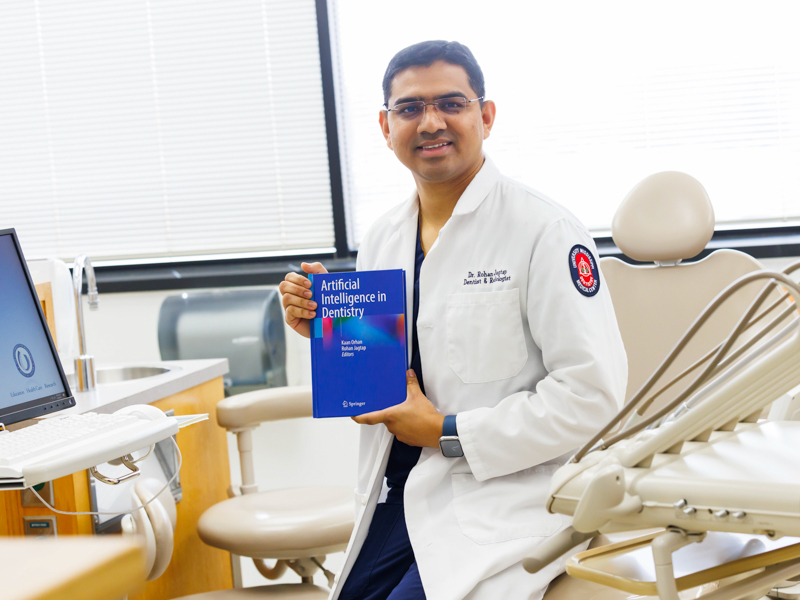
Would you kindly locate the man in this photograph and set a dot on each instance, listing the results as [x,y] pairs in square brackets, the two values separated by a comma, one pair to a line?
[516,356]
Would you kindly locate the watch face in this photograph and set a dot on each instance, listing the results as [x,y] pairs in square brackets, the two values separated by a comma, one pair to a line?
[451,448]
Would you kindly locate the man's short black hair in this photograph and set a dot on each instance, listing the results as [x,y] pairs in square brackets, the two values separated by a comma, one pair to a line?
[425,54]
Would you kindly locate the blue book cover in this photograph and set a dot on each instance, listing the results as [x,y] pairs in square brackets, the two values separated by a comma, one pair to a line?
[358,342]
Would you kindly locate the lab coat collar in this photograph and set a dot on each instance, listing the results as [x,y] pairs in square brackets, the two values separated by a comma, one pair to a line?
[471,199]
[478,188]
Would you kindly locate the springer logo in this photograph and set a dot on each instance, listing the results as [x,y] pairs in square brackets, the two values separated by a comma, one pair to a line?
[24,360]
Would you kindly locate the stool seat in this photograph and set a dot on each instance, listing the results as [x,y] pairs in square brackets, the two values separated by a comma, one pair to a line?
[281,591]
[281,524]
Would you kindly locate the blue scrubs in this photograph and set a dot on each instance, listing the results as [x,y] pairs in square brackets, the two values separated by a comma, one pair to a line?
[386,568]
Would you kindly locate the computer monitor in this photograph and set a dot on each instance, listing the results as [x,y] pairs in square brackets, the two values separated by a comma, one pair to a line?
[32,381]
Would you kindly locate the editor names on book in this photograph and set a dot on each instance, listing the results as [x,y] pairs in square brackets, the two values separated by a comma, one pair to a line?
[350,347]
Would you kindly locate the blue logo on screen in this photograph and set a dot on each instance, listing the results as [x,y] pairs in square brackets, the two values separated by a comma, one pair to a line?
[24,360]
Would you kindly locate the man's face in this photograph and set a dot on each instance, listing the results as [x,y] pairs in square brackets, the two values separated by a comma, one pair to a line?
[437,147]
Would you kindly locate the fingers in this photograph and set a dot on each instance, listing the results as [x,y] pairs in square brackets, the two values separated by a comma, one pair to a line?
[412,383]
[372,418]
[315,268]
[297,279]
[296,298]
[298,306]
[294,290]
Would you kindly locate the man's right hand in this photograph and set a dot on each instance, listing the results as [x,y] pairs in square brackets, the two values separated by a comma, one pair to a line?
[297,303]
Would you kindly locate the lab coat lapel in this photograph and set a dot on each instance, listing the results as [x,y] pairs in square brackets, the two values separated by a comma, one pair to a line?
[364,518]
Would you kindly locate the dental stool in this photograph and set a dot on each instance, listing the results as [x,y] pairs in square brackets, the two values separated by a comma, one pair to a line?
[296,526]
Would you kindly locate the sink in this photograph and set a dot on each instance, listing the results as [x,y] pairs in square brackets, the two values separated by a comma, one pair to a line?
[122,374]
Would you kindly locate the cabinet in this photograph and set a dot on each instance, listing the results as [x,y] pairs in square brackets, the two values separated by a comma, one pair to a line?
[205,476]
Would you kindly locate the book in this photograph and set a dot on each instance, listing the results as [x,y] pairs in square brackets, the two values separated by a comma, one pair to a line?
[358,342]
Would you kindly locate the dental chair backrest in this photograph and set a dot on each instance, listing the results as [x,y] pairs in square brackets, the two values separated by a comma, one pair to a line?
[665,219]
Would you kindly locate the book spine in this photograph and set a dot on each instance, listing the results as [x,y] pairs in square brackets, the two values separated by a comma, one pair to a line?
[313,340]
[406,322]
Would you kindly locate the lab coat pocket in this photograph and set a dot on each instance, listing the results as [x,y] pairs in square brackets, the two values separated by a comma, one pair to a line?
[485,339]
[505,508]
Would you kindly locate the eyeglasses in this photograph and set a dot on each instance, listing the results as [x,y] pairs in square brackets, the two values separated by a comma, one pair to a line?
[410,111]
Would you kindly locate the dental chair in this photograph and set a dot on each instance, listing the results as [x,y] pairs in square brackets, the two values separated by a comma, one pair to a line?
[666,219]
[687,455]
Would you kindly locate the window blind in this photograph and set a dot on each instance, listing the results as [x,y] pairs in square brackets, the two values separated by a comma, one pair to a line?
[594,96]
[143,129]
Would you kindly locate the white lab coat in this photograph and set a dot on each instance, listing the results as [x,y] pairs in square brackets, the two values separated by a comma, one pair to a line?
[531,366]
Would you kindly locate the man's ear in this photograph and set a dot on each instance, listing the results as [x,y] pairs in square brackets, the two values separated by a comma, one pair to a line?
[383,119]
[488,113]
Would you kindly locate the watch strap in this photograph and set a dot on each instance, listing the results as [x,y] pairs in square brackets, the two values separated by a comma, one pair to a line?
[449,426]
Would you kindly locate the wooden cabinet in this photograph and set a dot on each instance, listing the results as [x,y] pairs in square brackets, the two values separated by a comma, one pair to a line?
[205,476]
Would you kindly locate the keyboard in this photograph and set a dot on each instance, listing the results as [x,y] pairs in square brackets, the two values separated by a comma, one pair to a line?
[62,445]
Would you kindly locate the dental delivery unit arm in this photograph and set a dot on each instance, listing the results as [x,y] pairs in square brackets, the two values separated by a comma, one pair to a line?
[702,463]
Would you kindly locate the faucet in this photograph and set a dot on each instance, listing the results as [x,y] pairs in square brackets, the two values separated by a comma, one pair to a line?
[85,372]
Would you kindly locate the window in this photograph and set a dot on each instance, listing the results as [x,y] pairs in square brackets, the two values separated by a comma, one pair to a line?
[593,97]
[140,129]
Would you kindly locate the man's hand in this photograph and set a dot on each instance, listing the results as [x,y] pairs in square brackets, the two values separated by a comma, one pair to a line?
[296,293]
[415,422]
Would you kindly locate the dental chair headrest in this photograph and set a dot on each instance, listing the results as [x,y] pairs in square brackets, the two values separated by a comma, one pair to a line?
[666,218]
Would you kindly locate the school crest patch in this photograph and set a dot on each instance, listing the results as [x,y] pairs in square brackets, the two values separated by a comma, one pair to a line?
[583,269]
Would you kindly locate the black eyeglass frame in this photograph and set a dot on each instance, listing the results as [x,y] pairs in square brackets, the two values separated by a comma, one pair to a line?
[422,104]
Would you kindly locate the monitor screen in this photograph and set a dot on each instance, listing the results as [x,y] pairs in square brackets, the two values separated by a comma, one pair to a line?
[32,382]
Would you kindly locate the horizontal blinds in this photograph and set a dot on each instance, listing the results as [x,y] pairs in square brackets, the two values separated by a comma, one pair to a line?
[135,129]
[593,97]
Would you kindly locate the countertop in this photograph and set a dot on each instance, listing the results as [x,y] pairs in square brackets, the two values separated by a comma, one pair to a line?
[71,567]
[183,374]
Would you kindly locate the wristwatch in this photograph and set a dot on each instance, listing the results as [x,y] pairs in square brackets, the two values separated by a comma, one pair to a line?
[449,443]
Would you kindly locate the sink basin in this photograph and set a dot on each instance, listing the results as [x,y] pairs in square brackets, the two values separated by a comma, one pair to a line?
[122,374]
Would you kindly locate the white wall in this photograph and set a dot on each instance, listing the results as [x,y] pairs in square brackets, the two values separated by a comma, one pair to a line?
[291,453]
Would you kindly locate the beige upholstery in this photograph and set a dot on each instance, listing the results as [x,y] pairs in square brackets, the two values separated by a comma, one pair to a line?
[668,217]
[665,218]
[273,404]
[267,592]
[656,305]
[290,523]
[296,526]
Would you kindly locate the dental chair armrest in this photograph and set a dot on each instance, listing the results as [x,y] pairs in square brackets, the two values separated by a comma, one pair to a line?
[274,404]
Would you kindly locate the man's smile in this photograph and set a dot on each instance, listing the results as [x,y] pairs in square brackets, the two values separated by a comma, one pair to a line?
[434,148]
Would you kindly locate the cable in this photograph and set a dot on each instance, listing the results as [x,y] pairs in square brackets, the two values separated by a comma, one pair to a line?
[788,270]
[702,378]
[127,512]
[592,445]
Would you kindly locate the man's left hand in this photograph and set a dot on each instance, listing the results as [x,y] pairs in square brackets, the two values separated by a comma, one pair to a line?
[415,421]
